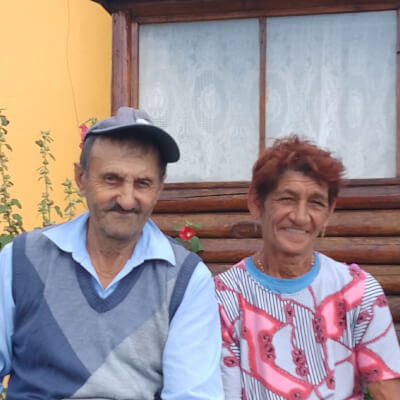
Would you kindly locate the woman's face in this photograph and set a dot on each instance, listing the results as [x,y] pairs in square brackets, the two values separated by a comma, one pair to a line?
[293,215]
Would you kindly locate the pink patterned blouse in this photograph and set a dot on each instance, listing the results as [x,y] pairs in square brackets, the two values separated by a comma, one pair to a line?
[322,341]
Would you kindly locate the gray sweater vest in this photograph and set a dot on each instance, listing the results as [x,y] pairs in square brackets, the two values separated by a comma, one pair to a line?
[69,343]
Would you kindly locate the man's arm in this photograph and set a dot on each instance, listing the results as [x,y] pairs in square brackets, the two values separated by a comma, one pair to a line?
[6,311]
[191,359]
[385,390]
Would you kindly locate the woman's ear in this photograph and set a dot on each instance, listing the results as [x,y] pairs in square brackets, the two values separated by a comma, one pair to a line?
[332,208]
[330,212]
[253,204]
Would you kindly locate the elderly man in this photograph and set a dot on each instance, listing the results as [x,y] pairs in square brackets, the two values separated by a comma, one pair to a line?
[105,306]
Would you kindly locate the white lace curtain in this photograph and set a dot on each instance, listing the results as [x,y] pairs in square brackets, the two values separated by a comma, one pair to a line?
[200,82]
[329,77]
[332,79]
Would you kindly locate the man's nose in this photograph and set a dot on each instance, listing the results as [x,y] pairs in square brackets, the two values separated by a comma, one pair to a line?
[127,197]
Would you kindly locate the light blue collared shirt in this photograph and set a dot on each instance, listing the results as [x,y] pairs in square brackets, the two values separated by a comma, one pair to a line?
[191,358]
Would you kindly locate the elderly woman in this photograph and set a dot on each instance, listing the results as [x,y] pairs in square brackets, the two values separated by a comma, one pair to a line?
[297,324]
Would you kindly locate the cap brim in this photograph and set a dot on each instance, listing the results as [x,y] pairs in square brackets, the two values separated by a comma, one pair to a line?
[165,143]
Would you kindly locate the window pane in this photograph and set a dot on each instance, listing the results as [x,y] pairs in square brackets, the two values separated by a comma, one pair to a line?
[332,79]
[200,82]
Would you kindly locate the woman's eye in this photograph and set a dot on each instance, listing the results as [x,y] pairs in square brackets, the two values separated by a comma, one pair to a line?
[286,199]
[318,203]
[143,184]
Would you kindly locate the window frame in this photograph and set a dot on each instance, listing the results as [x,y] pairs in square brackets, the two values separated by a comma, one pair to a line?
[128,15]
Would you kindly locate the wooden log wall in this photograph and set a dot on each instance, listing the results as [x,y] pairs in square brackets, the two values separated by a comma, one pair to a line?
[364,229]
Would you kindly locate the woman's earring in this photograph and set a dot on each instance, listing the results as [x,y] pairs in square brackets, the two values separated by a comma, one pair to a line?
[323,231]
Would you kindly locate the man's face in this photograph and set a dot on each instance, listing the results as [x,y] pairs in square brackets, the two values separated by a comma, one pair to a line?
[121,186]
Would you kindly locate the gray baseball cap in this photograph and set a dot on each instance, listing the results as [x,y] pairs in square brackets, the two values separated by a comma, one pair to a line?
[130,120]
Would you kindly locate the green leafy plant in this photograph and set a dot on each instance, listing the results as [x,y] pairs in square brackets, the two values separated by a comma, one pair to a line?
[46,205]
[187,236]
[367,395]
[73,197]
[13,224]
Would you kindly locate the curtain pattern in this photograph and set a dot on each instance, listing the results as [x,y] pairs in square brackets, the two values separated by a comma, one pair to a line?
[331,78]
[199,81]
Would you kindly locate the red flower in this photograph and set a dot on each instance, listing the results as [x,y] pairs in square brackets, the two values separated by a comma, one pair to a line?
[84,130]
[186,232]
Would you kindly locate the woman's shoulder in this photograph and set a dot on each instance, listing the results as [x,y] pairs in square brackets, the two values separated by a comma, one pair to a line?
[232,278]
[338,269]
[340,276]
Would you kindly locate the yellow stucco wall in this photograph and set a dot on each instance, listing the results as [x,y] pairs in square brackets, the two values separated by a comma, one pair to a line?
[55,72]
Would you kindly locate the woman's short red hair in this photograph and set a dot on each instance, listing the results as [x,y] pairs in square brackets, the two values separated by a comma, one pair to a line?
[294,154]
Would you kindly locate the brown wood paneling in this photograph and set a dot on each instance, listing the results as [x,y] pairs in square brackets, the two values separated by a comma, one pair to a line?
[347,183]
[134,84]
[146,11]
[397,328]
[121,61]
[233,202]
[224,198]
[389,283]
[394,304]
[398,96]
[262,82]
[366,250]
[242,224]
[362,250]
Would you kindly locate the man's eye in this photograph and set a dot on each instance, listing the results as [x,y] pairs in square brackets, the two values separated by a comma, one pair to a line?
[110,178]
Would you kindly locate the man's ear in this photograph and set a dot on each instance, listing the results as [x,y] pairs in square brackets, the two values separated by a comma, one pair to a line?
[79,177]
[253,204]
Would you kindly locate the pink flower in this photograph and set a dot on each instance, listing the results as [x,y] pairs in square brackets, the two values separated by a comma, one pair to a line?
[372,375]
[363,316]
[289,312]
[219,284]
[186,232]
[266,347]
[355,271]
[231,361]
[330,380]
[302,370]
[381,301]
[296,395]
[84,130]
[319,331]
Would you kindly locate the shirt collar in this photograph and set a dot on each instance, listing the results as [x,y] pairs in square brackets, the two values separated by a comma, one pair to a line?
[71,238]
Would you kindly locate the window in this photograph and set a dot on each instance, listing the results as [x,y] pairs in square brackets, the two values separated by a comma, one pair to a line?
[226,78]
[199,81]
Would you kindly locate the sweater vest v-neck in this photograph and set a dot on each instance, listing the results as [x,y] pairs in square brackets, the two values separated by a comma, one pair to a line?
[69,343]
